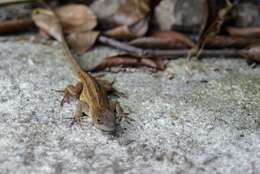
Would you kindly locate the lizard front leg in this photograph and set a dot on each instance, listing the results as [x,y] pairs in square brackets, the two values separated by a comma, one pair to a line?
[71,91]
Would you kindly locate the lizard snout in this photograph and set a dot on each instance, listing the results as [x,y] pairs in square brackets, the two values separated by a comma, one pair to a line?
[107,127]
[106,121]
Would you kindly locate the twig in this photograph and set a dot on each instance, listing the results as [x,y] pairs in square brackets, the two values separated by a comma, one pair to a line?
[15,25]
[121,45]
[168,54]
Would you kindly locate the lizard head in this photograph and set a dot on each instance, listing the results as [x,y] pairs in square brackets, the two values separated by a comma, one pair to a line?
[105,120]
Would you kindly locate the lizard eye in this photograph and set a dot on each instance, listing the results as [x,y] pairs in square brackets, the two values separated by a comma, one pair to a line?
[99,121]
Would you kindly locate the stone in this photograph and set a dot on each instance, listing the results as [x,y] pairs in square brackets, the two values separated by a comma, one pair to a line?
[202,121]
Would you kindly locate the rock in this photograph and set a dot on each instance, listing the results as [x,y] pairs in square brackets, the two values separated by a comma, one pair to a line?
[202,121]
[184,15]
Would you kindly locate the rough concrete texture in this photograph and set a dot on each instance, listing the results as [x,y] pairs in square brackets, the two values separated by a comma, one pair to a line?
[202,121]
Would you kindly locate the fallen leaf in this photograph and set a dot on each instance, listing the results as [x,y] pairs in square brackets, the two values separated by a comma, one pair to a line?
[47,21]
[251,32]
[122,19]
[15,25]
[115,13]
[129,32]
[82,42]
[129,60]
[49,24]
[158,43]
[118,60]
[151,42]
[120,33]
[174,37]
[76,18]
[230,42]
[153,63]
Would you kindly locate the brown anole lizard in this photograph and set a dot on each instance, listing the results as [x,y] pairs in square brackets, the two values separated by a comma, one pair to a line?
[92,93]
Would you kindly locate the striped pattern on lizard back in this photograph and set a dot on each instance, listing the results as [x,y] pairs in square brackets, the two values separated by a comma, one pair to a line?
[92,93]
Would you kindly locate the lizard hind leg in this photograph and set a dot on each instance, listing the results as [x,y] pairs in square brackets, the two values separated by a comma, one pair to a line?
[71,91]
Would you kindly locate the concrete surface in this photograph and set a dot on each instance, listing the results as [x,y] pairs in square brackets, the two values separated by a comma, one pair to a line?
[206,120]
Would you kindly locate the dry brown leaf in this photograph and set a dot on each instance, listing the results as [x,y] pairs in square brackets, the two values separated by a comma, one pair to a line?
[251,32]
[121,32]
[151,42]
[174,37]
[158,43]
[49,24]
[114,13]
[230,42]
[122,19]
[131,11]
[76,18]
[164,40]
[118,60]
[46,20]
[15,25]
[82,42]
[153,63]
[129,60]
[129,32]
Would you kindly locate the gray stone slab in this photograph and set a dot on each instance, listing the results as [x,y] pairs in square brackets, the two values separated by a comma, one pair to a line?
[205,120]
